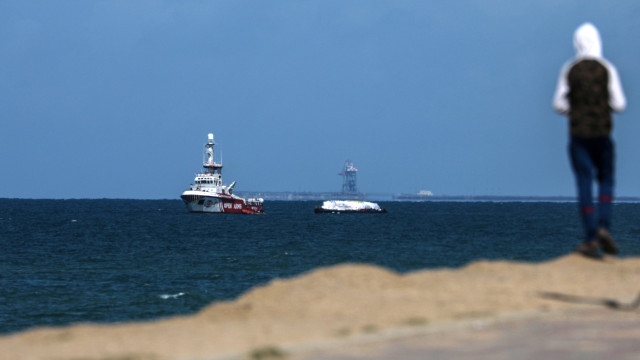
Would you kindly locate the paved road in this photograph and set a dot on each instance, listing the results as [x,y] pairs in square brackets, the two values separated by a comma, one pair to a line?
[587,333]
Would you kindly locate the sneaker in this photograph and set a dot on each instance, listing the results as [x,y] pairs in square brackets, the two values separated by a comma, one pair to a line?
[606,241]
[589,249]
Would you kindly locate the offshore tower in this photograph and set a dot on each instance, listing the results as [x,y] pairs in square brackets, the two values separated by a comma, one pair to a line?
[349,183]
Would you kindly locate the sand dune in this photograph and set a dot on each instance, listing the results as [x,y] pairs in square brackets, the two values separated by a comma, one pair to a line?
[340,303]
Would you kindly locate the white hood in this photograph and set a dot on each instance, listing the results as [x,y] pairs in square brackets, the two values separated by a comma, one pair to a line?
[586,41]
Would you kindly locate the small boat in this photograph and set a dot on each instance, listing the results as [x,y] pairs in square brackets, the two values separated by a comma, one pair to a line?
[208,195]
[348,206]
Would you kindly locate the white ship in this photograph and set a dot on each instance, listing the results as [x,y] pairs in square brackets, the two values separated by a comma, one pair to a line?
[208,195]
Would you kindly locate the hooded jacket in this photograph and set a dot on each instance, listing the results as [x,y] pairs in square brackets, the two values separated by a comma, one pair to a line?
[589,87]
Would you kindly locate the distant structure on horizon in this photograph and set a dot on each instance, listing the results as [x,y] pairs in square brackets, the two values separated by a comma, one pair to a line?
[422,195]
[349,178]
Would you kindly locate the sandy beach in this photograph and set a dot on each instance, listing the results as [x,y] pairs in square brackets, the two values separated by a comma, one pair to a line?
[344,303]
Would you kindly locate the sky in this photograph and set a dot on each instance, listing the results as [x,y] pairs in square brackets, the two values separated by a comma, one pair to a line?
[114,99]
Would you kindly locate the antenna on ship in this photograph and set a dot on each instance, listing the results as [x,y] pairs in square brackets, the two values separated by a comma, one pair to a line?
[349,183]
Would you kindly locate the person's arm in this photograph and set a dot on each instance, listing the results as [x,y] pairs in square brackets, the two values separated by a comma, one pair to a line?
[560,100]
[617,100]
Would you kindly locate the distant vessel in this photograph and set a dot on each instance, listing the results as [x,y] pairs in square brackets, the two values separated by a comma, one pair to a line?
[348,206]
[208,195]
[422,195]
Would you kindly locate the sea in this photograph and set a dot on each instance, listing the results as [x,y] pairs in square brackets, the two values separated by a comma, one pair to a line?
[107,261]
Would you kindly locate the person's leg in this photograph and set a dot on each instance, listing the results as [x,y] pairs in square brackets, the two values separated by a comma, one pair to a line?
[604,161]
[583,171]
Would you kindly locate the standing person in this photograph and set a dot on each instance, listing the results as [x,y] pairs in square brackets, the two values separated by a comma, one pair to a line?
[588,91]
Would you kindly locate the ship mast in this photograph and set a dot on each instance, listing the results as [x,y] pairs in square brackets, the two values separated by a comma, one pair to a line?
[209,164]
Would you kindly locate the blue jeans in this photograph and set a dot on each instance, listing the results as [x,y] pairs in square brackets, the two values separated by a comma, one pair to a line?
[593,158]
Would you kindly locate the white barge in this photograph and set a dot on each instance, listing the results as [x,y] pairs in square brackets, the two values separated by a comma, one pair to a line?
[348,206]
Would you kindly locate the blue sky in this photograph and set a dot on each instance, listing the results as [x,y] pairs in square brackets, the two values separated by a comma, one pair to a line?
[114,99]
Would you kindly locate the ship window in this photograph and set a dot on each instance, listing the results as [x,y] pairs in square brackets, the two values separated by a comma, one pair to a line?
[201,202]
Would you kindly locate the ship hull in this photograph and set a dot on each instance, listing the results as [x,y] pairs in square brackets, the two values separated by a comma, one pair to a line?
[198,202]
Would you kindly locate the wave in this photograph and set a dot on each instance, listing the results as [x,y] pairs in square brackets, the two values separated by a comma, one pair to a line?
[171,296]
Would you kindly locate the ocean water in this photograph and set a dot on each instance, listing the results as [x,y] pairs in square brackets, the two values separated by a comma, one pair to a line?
[106,261]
